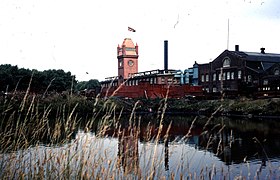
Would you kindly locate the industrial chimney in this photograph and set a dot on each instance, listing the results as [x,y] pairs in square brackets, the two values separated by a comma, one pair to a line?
[165,55]
[236,47]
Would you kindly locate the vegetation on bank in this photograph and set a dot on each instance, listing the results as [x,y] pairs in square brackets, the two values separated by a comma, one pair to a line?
[63,104]
[39,110]
[30,121]
[227,107]
[50,81]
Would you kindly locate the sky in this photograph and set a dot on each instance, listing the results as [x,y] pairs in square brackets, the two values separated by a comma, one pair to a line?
[81,36]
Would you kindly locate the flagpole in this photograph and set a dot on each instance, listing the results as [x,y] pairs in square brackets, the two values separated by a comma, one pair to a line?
[228,35]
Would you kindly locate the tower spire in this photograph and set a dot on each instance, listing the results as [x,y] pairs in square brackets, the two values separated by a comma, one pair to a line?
[127,59]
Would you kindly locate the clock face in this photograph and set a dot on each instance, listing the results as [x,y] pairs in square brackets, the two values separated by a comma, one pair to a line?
[130,63]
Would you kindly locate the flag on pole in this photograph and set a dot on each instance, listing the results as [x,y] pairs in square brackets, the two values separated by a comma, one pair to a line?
[131,29]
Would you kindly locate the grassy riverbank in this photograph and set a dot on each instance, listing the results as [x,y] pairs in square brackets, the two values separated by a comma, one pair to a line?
[33,122]
[81,107]
[227,107]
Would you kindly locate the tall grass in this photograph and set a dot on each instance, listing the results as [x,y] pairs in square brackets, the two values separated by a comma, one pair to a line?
[34,145]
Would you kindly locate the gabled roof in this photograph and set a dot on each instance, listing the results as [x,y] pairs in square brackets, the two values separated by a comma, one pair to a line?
[267,65]
[260,57]
[267,60]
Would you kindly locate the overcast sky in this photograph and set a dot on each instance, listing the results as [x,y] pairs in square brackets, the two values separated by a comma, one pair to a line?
[81,36]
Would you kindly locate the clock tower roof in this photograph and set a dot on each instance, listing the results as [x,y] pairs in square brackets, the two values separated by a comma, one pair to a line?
[127,48]
[127,42]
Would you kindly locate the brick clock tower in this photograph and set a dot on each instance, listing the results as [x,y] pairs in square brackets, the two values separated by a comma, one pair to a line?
[127,59]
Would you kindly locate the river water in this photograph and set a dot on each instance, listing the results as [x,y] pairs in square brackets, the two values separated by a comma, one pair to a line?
[186,147]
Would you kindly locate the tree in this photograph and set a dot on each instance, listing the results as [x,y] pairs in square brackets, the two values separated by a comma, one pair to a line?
[12,78]
[60,80]
[8,78]
[81,85]
[93,84]
[87,85]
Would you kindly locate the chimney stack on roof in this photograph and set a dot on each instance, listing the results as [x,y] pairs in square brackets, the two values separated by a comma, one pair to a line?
[262,50]
[165,55]
[236,47]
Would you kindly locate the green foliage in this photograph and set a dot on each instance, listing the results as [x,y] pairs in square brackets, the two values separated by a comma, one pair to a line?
[60,80]
[12,78]
[249,106]
[81,85]
[91,84]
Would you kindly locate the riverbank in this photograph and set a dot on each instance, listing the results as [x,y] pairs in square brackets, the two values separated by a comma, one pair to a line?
[80,106]
[64,127]
[249,108]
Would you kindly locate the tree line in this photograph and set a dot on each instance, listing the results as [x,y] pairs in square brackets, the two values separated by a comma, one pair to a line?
[13,78]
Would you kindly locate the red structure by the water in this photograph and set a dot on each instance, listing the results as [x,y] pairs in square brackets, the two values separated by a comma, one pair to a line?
[149,84]
[146,90]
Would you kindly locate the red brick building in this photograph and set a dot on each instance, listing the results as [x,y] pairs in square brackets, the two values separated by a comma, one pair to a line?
[149,84]
[127,59]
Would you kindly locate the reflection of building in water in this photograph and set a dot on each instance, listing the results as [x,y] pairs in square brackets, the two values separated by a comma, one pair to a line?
[166,155]
[220,141]
[128,151]
[194,140]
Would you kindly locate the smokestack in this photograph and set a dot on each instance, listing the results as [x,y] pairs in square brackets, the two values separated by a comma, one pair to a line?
[236,47]
[262,50]
[165,55]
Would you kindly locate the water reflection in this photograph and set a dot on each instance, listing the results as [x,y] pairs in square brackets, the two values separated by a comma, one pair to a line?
[128,150]
[166,155]
[180,145]
[233,141]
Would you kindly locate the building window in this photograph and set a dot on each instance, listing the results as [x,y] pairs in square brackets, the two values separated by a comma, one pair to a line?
[214,89]
[232,75]
[276,72]
[206,77]
[162,80]
[220,76]
[249,78]
[151,80]
[214,77]
[239,74]
[228,75]
[265,82]
[226,62]
[202,78]
[169,80]
[224,76]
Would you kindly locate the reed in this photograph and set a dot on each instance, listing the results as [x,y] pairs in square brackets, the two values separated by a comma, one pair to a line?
[35,145]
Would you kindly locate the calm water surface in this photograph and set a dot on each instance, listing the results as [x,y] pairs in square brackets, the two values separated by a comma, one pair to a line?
[220,147]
